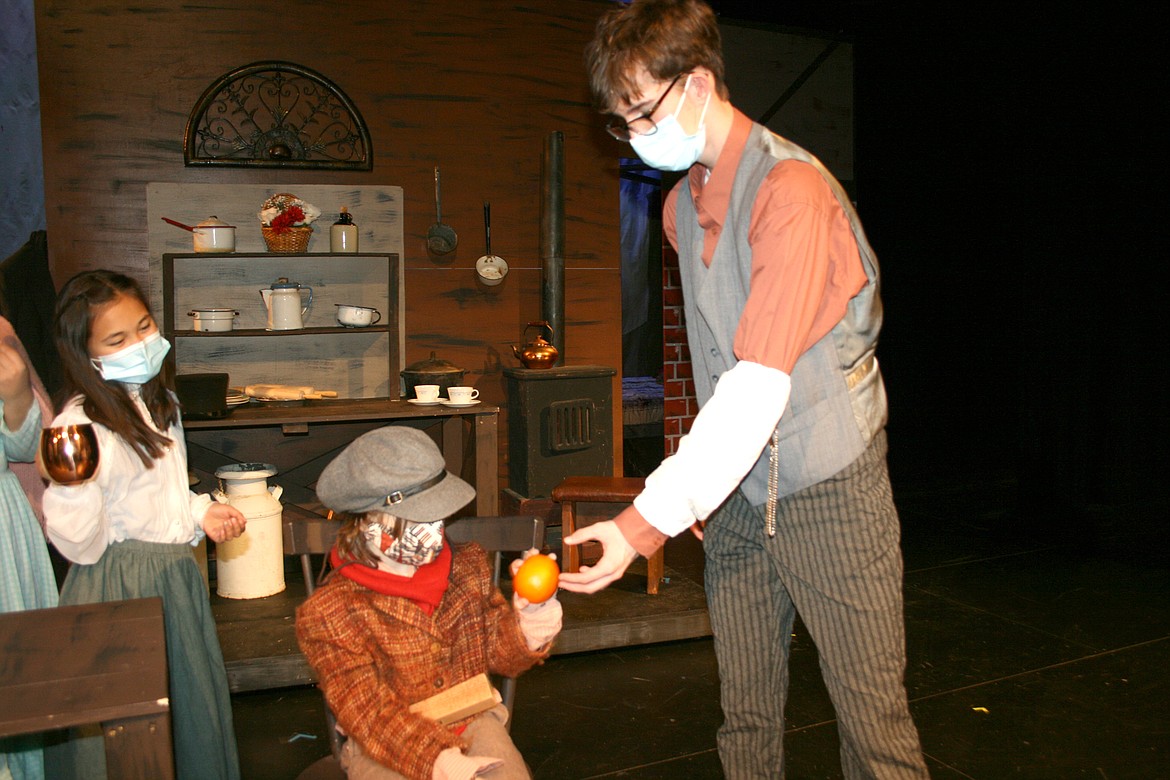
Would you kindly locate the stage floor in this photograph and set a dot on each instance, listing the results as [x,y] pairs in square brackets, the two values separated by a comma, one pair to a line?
[260,647]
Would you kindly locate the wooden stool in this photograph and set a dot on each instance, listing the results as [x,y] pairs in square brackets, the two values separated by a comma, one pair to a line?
[603,490]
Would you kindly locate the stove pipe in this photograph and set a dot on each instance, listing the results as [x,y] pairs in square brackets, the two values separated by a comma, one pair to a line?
[552,239]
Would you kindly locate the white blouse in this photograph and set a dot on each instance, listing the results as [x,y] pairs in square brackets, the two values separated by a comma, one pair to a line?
[125,499]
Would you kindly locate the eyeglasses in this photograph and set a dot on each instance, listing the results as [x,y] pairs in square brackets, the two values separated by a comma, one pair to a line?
[640,125]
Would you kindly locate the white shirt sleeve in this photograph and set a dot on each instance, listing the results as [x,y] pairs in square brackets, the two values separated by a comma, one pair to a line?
[77,522]
[125,499]
[725,441]
[75,515]
[200,503]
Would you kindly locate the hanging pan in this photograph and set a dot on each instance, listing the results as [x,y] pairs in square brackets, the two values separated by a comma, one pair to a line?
[441,238]
[490,268]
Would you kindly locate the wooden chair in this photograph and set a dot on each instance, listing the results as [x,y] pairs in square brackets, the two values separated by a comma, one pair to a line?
[307,534]
[574,493]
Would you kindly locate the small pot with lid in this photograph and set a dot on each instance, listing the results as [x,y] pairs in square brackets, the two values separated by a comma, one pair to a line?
[431,371]
[211,235]
[213,319]
[214,235]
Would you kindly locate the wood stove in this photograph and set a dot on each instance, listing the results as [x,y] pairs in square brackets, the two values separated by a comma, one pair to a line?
[560,424]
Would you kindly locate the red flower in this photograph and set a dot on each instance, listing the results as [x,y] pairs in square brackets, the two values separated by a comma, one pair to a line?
[290,217]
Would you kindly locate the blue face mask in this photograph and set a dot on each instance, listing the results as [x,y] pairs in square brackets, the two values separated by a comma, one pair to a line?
[669,148]
[136,364]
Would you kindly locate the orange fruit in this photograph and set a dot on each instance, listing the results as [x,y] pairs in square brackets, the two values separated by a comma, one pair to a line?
[536,579]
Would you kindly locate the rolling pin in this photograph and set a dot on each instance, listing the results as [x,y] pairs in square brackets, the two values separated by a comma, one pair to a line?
[287,392]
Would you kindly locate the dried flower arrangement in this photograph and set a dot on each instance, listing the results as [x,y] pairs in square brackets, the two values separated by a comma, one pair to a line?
[284,221]
[284,210]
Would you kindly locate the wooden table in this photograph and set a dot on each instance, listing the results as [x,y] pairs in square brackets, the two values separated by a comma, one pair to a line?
[300,440]
[95,663]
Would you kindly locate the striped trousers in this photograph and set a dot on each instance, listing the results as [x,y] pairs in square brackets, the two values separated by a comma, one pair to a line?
[836,561]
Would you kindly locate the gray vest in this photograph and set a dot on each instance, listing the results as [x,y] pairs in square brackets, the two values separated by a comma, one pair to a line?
[838,401]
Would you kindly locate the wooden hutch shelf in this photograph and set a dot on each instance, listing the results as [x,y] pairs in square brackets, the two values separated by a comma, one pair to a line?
[357,363]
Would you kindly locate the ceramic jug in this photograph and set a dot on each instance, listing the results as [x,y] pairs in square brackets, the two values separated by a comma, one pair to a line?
[284,303]
[251,566]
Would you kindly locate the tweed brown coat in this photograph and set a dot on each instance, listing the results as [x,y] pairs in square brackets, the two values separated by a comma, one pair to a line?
[375,655]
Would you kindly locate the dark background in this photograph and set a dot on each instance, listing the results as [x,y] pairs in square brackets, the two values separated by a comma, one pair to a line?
[1008,166]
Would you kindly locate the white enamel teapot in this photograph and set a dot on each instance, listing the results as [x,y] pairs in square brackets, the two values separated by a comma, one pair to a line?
[284,303]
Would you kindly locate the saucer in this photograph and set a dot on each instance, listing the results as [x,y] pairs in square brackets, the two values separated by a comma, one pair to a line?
[417,402]
[454,405]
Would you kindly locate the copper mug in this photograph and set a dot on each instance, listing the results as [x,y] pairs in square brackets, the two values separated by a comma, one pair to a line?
[68,454]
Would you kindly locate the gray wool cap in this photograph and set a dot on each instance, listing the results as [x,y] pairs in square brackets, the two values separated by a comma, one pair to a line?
[396,470]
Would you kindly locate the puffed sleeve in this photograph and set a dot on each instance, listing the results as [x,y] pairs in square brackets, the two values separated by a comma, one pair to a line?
[75,521]
[75,516]
[200,503]
[21,444]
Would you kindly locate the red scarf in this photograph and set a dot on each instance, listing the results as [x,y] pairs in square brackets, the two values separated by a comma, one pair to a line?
[425,588]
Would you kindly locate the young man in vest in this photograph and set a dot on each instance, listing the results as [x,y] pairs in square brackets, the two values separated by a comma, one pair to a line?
[785,464]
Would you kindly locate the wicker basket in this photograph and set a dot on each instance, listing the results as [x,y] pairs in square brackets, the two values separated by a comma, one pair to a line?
[292,239]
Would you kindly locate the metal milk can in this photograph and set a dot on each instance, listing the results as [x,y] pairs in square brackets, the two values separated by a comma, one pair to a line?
[251,566]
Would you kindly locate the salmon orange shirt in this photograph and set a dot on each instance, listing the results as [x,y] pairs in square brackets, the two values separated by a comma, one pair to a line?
[805,264]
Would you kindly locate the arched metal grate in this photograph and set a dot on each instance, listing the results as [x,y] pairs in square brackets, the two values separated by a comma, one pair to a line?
[276,115]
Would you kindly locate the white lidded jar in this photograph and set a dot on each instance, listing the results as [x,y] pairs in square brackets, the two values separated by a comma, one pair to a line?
[251,566]
[343,234]
[213,319]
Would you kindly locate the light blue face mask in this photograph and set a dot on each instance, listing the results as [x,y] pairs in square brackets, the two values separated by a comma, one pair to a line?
[136,364]
[669,148]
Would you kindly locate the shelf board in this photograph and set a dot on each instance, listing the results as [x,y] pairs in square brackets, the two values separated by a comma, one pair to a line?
[237,332]
[332,410]
[273,255]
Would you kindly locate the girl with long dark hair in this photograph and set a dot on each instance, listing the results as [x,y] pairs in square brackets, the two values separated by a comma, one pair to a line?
[131,529]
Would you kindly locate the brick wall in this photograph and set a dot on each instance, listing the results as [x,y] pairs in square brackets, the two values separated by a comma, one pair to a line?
[679,404]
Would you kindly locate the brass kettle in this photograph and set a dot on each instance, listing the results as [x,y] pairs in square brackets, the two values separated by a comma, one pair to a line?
[539,353]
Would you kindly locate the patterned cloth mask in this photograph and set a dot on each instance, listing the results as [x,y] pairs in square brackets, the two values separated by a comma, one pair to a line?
[395,540]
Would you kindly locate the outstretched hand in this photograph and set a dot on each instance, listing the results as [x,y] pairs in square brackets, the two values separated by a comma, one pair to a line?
[617,555]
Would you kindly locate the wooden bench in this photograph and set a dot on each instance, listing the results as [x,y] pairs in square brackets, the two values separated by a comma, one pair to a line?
[94,663]
[574,493]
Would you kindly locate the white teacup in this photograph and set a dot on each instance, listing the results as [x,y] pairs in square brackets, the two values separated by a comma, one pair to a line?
[426,393]
[462,395]
[357,316]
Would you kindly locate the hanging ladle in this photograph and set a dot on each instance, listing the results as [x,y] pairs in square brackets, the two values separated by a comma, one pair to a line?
[441,238]
[490,268]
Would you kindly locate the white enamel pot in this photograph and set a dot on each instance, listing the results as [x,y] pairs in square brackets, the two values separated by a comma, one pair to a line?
[357,316]
[490,269]
[212,319]
[214,235]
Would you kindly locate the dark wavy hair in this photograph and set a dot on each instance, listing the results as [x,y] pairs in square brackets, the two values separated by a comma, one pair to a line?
[667,37]
[109,403]
[351,539]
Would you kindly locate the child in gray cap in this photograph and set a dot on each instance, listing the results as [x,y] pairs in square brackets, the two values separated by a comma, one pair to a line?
[405,616]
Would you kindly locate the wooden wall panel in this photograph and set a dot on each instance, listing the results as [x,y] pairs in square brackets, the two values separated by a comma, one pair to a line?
[474,86]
